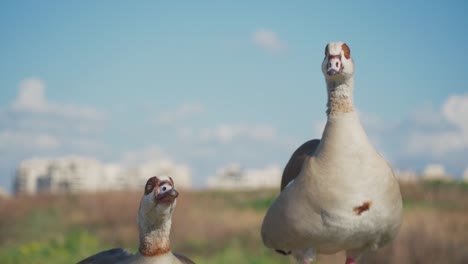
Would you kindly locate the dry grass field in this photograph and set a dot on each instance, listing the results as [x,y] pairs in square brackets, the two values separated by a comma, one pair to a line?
[217,227]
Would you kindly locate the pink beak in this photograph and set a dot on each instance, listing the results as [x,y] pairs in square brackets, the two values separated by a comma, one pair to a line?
[334,65]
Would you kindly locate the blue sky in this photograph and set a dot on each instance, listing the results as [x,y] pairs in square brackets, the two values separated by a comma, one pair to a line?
[209,83]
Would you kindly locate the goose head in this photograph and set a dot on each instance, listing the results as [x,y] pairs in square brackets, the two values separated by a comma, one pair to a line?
[159,198]
[337,66]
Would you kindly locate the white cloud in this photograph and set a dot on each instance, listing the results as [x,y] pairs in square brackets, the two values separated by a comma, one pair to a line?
[234,177]
[31,98]
[185,133]
[427,115]
[86,145]
[227,133]
[206,149]
[427,135]
[222,133]
[138,156]
[268,40]
[180,114]
[455,110]
[436,143]
[31,125]
[450,134]
[14,141]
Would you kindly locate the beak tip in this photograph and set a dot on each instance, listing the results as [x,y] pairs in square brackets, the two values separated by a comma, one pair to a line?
[331,72]
[174,193]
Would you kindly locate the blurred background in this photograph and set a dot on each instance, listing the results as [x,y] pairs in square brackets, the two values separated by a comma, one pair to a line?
[97,96]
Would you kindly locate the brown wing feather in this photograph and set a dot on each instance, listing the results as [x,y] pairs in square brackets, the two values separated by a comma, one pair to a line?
[294,166]
[107,257]
[183,259]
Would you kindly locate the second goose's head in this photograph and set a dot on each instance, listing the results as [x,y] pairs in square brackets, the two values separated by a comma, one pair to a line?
[337,66]
[159,198]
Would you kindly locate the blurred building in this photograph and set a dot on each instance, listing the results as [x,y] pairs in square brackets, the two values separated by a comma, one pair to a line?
[233,177]
[465,175]
[436,172]
[28,174]
[181,174]
[407,176]
[75,174]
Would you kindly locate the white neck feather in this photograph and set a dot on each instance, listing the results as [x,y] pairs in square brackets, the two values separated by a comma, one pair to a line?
[343,140]
[154,232]
[340,96]
[343,133]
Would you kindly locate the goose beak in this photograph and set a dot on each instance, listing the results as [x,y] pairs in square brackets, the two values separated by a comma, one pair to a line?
[334,65]
[167,197]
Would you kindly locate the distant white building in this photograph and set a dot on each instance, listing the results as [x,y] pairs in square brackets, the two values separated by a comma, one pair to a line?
[436,172]
[181,174]
[465,175]
[407,176]
[75,174]
[71,174]
[114,177]
[233,177]
[28,174]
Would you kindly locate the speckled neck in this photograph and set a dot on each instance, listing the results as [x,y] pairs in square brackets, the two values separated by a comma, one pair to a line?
[340,97]
[154,236]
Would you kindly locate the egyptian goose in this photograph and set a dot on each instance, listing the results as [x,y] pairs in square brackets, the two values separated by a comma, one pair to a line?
[337,193]
[154,225]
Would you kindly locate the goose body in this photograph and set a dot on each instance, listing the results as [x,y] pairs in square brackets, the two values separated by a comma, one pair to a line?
[154,224]
[122,256]
[338,193]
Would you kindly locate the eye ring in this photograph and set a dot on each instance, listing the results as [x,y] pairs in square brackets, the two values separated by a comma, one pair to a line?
[164,188]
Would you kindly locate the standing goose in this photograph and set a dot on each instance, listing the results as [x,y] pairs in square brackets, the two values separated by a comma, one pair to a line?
[337,193]
[154,225]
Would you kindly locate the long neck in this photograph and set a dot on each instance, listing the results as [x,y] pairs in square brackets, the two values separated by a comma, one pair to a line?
[343,135]
[343,140]
[340,97]
[154,235]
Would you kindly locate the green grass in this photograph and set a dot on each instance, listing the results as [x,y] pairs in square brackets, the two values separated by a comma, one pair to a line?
[437,205]
[61,249]
[257,200]
[43,236]
[47,231]
[237,251]
[447,185]
[78,244]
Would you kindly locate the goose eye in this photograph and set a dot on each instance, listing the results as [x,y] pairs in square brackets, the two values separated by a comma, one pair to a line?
[165,187]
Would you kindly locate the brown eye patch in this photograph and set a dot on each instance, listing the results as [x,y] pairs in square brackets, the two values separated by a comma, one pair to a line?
[161,183]
[172,181]
[346,51]
[150,184]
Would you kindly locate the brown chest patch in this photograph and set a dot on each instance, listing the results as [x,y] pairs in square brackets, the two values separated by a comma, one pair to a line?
[152,252]
[362,208]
